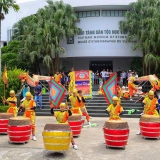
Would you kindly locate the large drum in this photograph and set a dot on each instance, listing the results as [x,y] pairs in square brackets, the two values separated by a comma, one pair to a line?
[150,126]
[57,137]
[116,133]
[4,118]
[19,129]
[75,122]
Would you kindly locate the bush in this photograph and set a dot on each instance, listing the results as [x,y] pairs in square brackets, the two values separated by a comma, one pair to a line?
[3,109]
[14,83]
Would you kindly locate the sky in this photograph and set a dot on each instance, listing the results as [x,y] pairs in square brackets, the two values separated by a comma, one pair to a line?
[21,1]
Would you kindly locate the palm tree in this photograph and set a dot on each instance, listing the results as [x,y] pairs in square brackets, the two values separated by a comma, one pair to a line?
[142,24]
[5,5]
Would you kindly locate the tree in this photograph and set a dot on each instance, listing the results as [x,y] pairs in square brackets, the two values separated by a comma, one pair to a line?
[142,24]
[5,5]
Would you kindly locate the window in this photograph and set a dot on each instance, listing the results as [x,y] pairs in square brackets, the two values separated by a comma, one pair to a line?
[84,14]
[4,43]
[80,14]
[113,13]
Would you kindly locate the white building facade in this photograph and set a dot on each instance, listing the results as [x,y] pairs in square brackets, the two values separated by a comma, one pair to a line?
[100,45]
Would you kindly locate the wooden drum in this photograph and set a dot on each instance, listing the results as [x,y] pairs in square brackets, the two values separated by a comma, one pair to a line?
[19,129]
[150,126]
[116,133]
[57,137]
[75,122]
[4,118]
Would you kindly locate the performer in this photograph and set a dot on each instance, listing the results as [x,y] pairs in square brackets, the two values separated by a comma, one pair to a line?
[74,103]
[29,105]
[81,103]
[131,86]
[12,102]
[114,110]
[155,86]
[72,81]
[58,77]
[62,117]
[150,104]
[119,91]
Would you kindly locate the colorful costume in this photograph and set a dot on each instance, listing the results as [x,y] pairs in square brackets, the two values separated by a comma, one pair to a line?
[75,105]
[29,112]
[119,91]
[12,105]
[81,103]
[57,78]
[150,106]
[72,82]
[131,86]
[126,95]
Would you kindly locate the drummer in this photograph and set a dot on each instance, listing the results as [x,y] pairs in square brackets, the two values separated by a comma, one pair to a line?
[81,103]
[29,105]
[62,117]
[115,109]
[12,102]
[74,103]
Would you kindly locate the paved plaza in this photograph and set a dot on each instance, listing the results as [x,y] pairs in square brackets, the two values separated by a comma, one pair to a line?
[90,145]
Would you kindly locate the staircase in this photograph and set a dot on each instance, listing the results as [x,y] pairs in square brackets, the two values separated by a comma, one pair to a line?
[96,106]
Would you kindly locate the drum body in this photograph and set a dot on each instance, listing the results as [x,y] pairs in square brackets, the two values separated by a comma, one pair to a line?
[4,118]
[116,133]
[57,137]
[75,122]
[19,130]
[150,126]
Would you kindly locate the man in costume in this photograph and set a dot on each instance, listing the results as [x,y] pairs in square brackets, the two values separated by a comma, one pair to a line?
[72,81]
[115,109]
[58,77]
[62,117]
[150,104]
[29,105]
[74,103]
[38,95]
[81,103]
[131,86]
[12,102]
[119,91]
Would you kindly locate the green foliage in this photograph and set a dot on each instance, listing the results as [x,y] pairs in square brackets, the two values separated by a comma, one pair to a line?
[136,65]
[14,82]
[3,109]
[142,24]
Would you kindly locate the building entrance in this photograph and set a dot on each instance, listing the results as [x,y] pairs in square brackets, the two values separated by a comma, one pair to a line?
[100,65]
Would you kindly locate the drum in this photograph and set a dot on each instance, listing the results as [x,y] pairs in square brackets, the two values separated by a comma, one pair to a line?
[75,122]
[57,137]
[116,133]
[19,129]
[150,126]
[4,118]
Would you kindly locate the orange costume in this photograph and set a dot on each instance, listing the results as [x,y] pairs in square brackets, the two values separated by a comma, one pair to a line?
[126,95]
[131,86]
[57,78]
[12,106]
[118,89]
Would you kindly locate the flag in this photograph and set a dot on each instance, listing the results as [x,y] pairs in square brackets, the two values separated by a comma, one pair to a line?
[56,93]
[5,77]
[109,88]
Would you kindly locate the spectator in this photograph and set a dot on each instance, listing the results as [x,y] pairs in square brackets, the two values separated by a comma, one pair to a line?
[124,78]
[38,95]
[107,75]
[103,75]
[96,76]
[118,75]
[92,74]
[63,79]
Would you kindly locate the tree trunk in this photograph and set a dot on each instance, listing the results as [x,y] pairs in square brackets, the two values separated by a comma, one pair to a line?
[0,51]
[53,66]
[56,62]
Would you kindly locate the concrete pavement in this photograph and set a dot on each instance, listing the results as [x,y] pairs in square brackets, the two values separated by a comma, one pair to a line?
[90,145]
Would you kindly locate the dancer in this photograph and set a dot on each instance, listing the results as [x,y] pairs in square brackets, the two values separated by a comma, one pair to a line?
[74,103]
[131,86]
[81,103]
[62,117]
[150,104]
[72,81]
[12,103]
[119,91]
[58,77]
[29,105]
[114,110]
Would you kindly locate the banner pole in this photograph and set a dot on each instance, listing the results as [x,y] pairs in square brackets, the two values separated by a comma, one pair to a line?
[4,93]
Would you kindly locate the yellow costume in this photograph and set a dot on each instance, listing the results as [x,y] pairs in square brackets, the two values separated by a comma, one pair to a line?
[29,112]
[72,82]
[131,86]
[61,116]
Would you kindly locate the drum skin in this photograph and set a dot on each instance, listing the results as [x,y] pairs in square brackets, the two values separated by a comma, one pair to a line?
[76,127]
[57,139]
[116,137]
[19,133]
[3,126]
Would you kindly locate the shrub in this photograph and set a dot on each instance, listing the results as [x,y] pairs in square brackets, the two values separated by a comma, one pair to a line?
[3,109]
